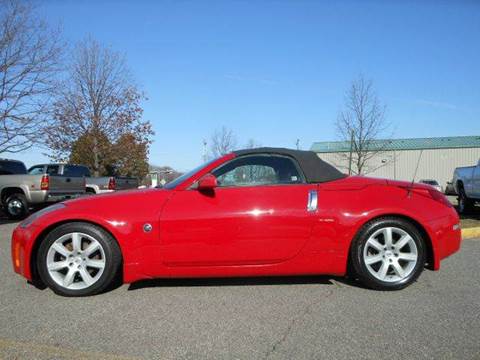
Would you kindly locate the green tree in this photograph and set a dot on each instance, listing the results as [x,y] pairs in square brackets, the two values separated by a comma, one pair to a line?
[130,156]
[81,153]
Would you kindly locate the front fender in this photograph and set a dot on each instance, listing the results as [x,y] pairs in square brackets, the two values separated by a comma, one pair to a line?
[122,216]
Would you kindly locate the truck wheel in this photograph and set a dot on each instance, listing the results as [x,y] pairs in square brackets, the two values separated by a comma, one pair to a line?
[16,206]
[464,203]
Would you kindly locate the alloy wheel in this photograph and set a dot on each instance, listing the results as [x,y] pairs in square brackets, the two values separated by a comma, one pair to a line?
[76,261]
[390,254]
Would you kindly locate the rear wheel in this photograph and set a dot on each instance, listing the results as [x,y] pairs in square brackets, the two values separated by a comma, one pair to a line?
[464,203]
[388,254]
[78,259]
[16,206]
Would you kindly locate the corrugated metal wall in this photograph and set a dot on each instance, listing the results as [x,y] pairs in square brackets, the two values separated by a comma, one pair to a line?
[437,164]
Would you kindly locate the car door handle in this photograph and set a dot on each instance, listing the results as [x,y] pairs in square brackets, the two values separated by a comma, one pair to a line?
[312,202]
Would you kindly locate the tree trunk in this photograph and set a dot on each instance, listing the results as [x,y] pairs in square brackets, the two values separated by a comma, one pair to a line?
[96,161]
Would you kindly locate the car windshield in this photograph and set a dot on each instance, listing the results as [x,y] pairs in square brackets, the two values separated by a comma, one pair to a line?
[182,178]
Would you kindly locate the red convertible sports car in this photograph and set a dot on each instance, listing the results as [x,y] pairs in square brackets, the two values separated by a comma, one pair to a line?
[249,213]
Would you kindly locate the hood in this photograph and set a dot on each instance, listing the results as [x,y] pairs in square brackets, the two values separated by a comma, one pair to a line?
[121,201]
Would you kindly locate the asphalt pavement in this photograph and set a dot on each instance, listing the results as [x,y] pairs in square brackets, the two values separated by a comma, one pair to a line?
[280,318]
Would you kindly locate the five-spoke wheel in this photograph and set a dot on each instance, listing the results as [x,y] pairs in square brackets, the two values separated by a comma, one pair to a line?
[77,259]
[388,254]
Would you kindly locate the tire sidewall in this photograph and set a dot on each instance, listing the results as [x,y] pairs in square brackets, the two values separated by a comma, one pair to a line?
[23,200]
[464,203]
[361,241]
[110,249]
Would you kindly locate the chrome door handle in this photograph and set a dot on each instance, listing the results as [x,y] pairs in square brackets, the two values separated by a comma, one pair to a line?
[312,203]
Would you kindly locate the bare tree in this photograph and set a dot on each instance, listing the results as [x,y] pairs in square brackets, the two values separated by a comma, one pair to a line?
[252,144]
[29,63]
[361,124]
[222,142]
[98,100]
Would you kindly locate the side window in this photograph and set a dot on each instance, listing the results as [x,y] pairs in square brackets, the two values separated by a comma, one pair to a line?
[52,169]
[75,171]
[257,170]
[12,168]
[36,170]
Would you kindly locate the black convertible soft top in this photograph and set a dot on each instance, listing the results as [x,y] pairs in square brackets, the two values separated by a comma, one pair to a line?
[315,169]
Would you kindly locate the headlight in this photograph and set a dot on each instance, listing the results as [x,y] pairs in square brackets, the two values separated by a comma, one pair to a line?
[28,221]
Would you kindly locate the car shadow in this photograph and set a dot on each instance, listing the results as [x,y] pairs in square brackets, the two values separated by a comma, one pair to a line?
[471,215]
[5,220]
[242,281]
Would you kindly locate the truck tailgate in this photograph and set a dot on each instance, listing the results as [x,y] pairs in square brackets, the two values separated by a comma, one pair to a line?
[123,183]
[59,184]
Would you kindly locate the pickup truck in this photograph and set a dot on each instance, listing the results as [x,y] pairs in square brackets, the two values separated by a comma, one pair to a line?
[94,185]
[466,181]
[99,185]
[20,191]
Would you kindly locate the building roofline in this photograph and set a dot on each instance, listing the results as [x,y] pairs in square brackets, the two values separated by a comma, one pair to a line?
[449,142]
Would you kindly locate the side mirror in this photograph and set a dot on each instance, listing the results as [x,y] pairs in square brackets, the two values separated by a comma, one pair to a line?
[207,182]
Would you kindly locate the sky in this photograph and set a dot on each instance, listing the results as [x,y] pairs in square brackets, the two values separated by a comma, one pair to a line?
[277,71]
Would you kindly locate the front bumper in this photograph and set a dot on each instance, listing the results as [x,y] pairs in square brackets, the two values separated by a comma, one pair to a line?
[20,248]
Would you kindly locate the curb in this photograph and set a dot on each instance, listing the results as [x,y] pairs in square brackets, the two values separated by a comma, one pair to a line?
[471,233]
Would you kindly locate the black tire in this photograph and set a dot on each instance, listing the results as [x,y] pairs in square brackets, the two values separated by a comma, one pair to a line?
[113,258]
[16,206]
[465,205]
[357,254]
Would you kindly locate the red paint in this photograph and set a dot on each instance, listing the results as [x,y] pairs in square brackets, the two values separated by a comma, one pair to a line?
[245,231]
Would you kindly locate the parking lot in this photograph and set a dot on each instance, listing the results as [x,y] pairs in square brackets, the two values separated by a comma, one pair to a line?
[280,318]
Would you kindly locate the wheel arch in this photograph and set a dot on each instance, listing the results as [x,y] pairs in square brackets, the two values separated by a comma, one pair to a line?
[10,190]
[430,254]
[36,245]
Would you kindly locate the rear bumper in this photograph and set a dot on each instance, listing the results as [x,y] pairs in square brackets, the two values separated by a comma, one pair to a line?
[44,196]
[104,191]
[62,197]
[446,237]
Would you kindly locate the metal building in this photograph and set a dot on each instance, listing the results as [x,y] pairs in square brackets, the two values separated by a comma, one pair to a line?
[398,158]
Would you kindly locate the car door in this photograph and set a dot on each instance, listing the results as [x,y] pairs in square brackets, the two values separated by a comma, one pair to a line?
[63,180]
[258,214]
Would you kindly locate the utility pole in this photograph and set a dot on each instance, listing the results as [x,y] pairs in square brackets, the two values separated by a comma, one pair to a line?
[351,154]
[297,143]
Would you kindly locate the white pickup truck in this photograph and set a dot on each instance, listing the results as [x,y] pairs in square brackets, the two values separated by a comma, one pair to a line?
[466,181]
[20,191]
[94,185]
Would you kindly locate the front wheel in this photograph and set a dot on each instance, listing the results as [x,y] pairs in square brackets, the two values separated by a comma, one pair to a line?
[78,259]
[388,254]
